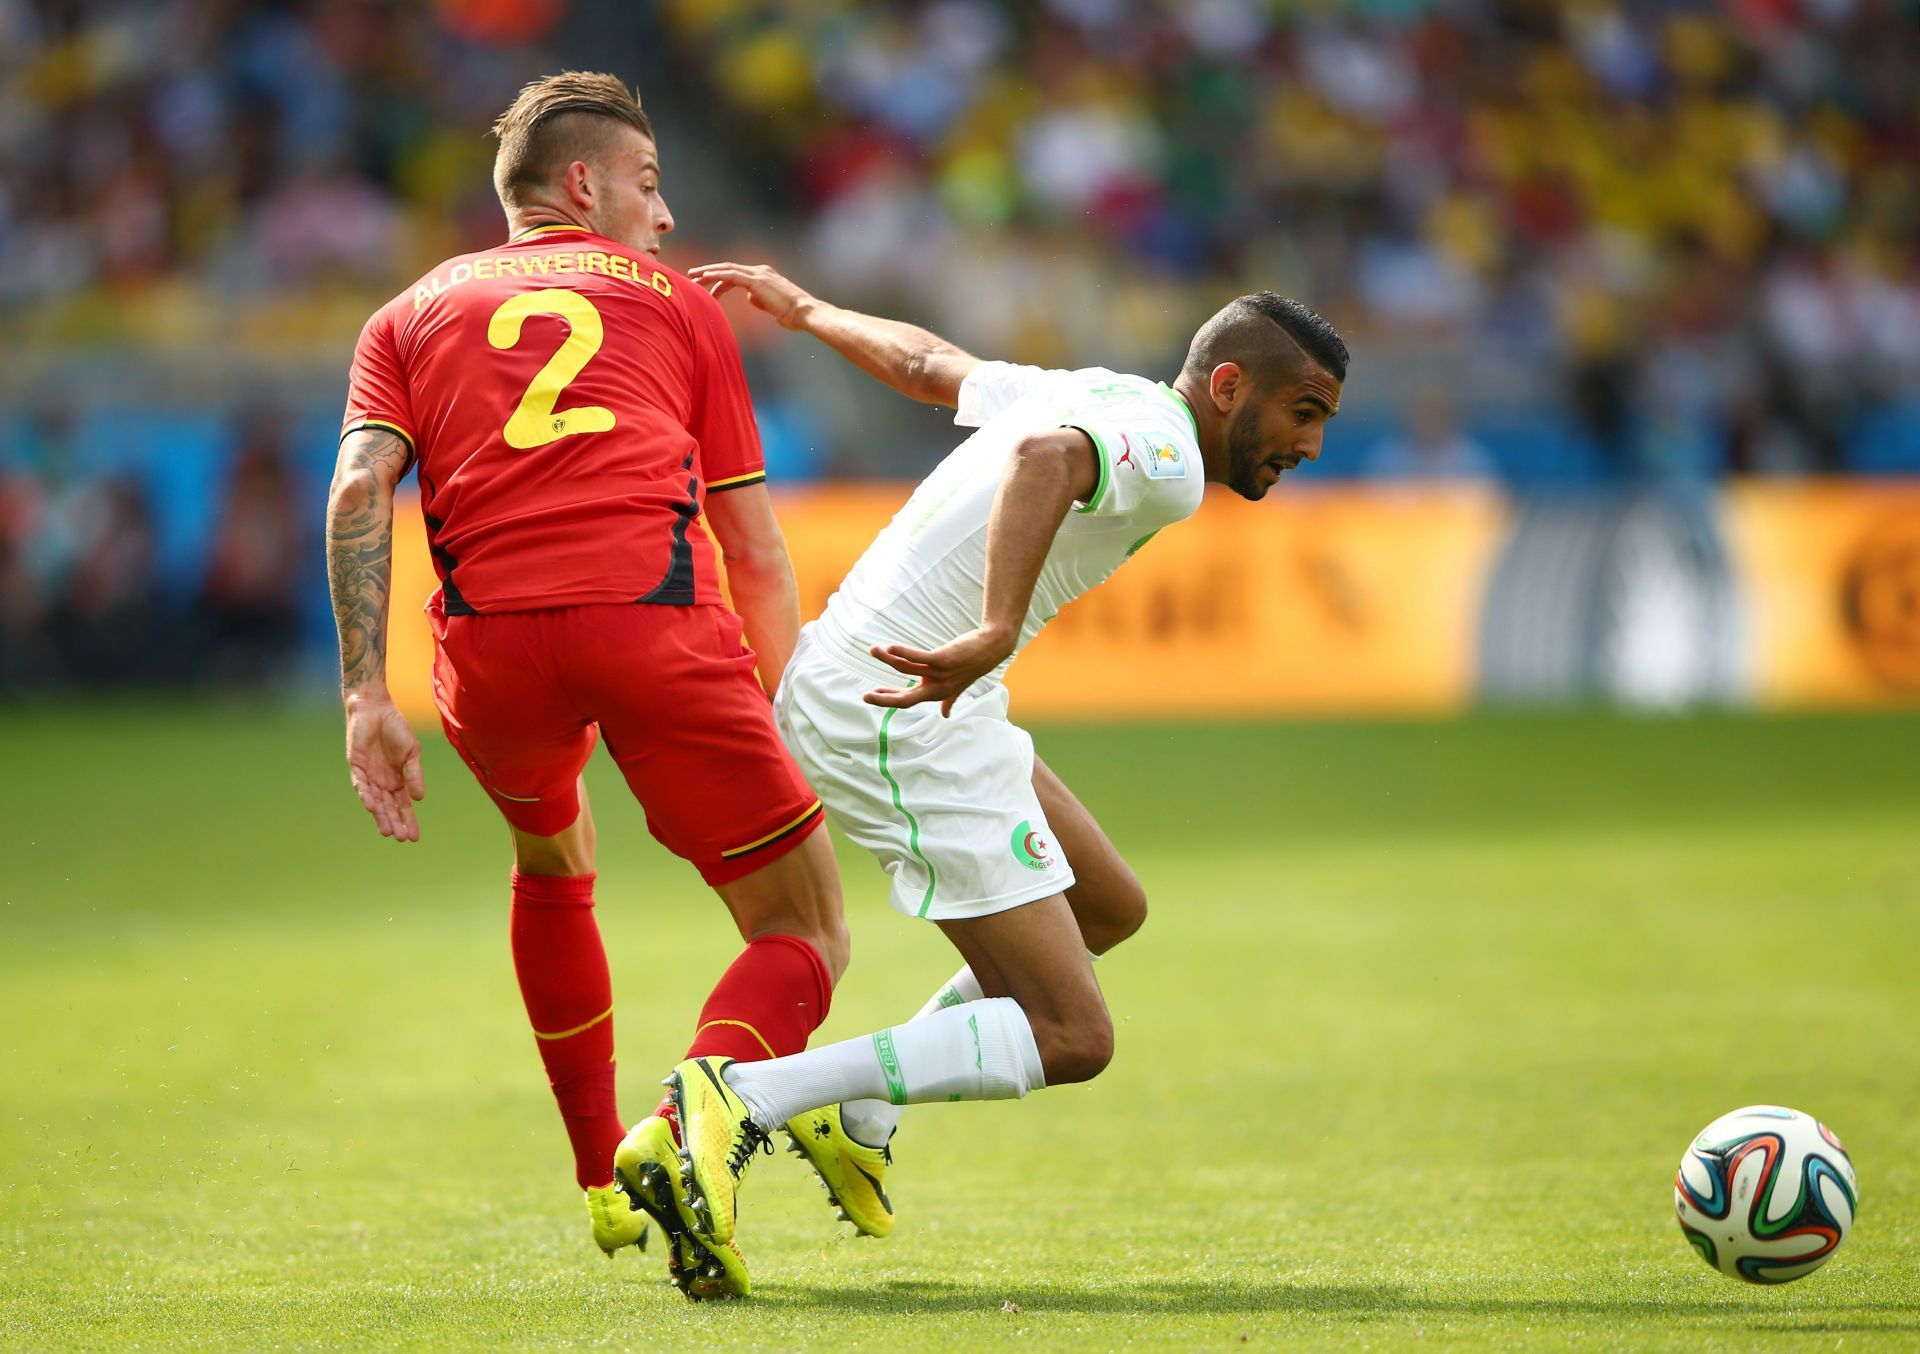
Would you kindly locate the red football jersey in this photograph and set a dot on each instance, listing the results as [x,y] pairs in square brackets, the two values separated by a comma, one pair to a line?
[570,403]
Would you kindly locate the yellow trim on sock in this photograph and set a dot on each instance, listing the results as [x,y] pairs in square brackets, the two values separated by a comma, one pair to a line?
[568,1034]
[743,1025]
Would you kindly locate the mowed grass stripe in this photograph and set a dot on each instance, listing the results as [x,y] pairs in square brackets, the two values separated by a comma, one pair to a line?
[1422,1019]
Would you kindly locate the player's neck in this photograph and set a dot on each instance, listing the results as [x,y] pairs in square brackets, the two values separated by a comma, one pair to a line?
[524,220]
[1209,429]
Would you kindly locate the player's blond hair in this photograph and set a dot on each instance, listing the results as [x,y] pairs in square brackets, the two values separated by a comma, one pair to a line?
[555,121]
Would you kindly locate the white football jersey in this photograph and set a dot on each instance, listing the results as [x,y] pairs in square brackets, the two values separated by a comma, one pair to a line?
[922,581]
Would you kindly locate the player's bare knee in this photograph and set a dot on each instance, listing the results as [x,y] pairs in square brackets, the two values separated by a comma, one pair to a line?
[1075,1051]
[570,851]
[1112,913]
[1128,912]
[1081,1057]
[551,856]
[1138,917]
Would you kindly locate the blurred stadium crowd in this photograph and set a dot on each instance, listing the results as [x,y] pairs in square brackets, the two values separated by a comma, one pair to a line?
[1686,221]
[1571,243]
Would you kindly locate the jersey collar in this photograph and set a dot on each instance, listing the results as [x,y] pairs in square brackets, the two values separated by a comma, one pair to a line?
[1185,408]
[554,228]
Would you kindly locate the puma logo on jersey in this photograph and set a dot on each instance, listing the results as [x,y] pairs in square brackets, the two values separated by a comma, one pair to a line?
[1126,457]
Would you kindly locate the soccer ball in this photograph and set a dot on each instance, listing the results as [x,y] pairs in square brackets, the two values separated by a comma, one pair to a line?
[1766,1194]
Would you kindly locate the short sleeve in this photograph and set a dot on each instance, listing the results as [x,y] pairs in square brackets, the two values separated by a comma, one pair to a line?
[1138,463]
[992,386]
[722,422]
[377,395]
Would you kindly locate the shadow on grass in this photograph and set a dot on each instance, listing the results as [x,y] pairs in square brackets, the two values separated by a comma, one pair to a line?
[1197,1297]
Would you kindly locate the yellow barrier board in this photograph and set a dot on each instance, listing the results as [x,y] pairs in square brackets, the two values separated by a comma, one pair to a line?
[1830,571]
[1329,600]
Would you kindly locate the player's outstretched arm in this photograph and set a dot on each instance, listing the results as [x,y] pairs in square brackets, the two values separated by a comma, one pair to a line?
[915,362]
[759,575]
[1046,474]
[383,755]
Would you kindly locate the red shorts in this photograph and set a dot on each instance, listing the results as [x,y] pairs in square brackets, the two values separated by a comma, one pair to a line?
[672,691]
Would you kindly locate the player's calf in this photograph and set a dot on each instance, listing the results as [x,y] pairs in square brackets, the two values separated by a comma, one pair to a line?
[796,894]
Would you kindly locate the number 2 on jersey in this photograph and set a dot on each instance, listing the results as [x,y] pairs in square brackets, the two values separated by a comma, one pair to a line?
[535,421]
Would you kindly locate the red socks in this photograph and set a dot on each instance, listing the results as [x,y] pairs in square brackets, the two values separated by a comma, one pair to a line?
[766,1004]
[562,968]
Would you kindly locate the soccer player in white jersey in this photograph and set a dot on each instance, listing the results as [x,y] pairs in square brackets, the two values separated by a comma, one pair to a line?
[1066,475]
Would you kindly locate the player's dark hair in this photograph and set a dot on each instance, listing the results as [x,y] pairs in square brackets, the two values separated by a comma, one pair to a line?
[555,121]
[1268,335]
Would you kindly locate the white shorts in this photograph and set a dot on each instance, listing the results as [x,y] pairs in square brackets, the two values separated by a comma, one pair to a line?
[945,804]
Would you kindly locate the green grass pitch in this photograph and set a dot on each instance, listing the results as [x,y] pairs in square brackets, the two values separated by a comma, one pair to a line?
[1422,1020]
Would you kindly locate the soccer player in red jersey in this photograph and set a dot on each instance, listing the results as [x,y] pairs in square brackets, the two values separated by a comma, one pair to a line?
[573,407]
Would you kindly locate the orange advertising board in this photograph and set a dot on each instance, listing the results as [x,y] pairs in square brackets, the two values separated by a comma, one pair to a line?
[409,641]
[1830,572]
[1332,600]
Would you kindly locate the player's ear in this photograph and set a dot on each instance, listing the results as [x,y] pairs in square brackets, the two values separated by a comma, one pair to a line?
[1227,384]
[577,183]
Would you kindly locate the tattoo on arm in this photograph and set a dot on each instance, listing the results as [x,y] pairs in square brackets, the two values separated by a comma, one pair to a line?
[360,550]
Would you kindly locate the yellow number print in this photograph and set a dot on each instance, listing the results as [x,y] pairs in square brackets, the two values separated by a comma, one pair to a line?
[536,422]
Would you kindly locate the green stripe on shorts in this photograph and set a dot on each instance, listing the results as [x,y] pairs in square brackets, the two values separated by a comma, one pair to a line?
[913,824]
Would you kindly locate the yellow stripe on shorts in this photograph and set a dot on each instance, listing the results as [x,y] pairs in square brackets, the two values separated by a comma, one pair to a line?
[774,835]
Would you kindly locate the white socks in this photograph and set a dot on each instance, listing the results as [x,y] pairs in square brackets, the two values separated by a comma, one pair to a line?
[981,1050]
[873,1121]
[963,989]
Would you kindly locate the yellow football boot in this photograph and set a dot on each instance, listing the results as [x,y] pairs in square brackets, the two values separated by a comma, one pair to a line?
[615,1221]
[851,1171]
[646,1166]
[718,1141]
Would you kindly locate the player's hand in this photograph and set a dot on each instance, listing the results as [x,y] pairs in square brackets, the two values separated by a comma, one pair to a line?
[767,289]
[384,757]
[945,673]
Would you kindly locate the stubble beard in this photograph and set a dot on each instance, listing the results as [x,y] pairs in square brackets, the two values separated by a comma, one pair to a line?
[1243,454]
